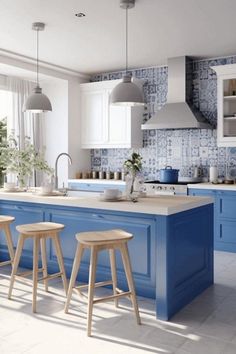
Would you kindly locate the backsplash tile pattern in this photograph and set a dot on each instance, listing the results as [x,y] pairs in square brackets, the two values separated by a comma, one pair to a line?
[183,149]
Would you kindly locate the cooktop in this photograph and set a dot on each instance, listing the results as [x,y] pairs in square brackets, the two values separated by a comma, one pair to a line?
[183,183]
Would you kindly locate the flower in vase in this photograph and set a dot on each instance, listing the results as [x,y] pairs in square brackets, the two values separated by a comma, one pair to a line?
[133,166]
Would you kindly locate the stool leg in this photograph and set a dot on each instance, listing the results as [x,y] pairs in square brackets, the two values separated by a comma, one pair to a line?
[16,263]
[44,261]
[113,273]
[75,269]
[35,271]
[129,276]
[60,261]
[92,275]
[9,242]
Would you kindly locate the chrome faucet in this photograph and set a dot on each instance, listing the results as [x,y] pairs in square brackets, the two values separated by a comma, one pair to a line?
[56,163]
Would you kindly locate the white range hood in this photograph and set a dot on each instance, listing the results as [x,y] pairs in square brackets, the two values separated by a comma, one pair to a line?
[178,112]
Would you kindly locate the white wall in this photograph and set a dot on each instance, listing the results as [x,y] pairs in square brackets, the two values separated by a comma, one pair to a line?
[56,126]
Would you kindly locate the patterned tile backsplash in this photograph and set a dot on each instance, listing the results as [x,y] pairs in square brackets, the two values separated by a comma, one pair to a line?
[182,149]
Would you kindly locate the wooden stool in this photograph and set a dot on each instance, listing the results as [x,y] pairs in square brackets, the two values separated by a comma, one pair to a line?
[39,232]
[97,241]
[5,221]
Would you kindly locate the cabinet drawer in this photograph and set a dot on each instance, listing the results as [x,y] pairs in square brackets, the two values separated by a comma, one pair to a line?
[226,232]
[227,206]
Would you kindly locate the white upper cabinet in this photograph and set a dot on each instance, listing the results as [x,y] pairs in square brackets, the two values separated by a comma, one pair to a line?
[226,104]
[107,126]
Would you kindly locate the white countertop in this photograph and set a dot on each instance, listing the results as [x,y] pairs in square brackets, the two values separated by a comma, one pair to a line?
[158,205]
[220,186]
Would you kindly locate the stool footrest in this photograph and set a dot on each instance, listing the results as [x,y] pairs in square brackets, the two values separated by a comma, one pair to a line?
[112,297]
[96,285]
[28,272]
[51,276]
[4,263]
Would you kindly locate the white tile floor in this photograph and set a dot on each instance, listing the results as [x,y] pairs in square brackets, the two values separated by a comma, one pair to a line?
[206,326]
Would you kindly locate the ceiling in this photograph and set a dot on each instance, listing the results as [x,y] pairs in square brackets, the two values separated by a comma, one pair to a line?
[158,29]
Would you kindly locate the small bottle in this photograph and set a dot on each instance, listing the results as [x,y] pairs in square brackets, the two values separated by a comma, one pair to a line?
[108,174]
[213,174]
[117,175]
[101,174]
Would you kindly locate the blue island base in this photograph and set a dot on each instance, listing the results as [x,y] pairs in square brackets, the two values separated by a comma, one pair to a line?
[171,256]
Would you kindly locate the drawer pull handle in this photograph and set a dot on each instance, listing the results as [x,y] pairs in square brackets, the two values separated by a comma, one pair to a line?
[98,216]
[220,230]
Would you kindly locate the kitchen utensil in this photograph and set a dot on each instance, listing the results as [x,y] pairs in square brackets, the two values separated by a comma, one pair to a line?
[168,175]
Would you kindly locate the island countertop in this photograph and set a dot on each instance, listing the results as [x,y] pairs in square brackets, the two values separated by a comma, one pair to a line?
[157,205]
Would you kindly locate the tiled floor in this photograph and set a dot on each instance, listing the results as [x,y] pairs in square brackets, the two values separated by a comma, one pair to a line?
[206,326]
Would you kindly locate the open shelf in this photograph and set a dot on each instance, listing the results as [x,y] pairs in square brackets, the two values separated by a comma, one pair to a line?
[230,98]
[230,118]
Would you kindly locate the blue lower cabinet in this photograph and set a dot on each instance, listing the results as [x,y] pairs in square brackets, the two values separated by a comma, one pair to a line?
[224,217]
[24,214]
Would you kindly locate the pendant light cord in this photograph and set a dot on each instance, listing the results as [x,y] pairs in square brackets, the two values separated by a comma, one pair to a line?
[126,41]
[37,58]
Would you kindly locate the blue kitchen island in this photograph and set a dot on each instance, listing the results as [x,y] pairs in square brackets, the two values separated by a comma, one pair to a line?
[171,252]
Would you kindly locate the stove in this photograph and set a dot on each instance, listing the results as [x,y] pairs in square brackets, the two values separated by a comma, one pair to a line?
[158,188]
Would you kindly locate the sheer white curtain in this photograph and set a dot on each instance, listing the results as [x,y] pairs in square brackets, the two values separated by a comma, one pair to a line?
[21,124]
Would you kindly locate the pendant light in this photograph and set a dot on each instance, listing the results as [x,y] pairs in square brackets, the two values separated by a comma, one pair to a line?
[37,102]
[126,93]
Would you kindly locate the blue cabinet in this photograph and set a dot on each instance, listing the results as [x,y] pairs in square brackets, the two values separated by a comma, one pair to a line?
[224,217]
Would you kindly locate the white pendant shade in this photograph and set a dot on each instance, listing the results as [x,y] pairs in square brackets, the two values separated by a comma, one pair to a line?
[126,93]
[37,102]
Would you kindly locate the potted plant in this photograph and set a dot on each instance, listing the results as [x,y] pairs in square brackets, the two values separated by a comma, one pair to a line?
[133,166]
[23,161]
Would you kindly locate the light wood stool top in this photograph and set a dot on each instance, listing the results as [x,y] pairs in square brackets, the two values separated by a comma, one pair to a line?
[6,219]
[96,241]
[39,228]
[103,237]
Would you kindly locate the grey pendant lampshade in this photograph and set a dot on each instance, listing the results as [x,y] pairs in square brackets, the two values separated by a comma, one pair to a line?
[126,93]
[37,102]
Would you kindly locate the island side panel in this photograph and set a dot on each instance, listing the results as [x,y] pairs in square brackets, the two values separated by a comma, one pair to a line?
[184,258]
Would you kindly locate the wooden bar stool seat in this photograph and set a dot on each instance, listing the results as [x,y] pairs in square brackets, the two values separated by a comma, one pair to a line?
[39,232]
[5,222]
[97,241]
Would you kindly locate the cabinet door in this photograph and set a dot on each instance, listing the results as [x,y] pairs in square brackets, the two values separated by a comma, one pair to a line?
[93,115]
[142,246]
[119,124]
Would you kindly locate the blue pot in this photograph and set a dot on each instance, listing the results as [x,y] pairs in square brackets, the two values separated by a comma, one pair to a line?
[168,175]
